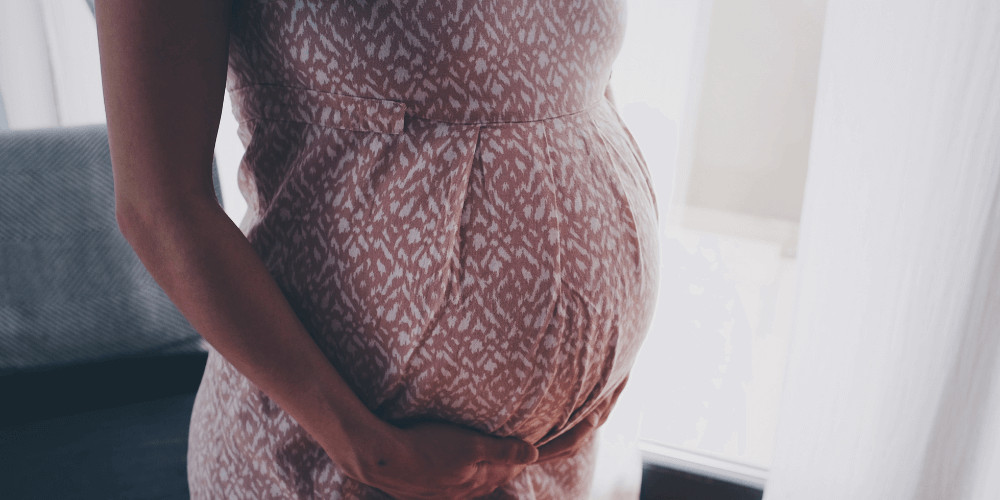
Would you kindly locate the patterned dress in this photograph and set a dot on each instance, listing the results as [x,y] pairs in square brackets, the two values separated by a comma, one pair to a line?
[449,200]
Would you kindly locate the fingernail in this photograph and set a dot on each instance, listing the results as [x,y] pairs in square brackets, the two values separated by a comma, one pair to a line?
[528,454]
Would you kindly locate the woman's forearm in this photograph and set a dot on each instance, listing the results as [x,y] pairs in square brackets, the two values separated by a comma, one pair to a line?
[209,270]
[163,72]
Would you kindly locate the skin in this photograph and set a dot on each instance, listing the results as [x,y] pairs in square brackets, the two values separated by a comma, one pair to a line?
[163,64]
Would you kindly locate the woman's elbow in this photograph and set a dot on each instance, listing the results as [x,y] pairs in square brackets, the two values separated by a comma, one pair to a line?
[141,217]
[128,218]
[138,216]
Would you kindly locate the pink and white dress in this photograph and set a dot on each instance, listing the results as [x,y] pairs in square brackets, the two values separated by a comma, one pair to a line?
[454,209]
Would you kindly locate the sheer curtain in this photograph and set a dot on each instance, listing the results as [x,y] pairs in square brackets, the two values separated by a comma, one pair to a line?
[49,64]
[893,384]
[3,114]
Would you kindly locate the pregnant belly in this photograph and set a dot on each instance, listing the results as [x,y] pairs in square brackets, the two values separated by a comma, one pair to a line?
[500,292]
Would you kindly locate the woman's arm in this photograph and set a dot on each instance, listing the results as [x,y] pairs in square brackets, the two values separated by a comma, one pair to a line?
[163,65]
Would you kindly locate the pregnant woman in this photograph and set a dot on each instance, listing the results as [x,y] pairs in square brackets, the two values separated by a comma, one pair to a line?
[449,258]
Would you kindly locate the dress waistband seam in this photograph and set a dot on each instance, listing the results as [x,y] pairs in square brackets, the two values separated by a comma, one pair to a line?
[585,109]
[346,111]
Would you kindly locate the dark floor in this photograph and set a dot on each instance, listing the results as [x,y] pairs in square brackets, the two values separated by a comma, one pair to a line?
[132,451]
[116,429]
[659,483]
[92,432]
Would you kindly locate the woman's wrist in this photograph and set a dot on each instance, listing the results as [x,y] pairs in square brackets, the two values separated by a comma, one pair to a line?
[355,438]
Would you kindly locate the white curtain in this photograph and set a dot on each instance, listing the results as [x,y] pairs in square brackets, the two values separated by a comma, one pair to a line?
[3,114]
[25,72]
[49,64]
[893,383]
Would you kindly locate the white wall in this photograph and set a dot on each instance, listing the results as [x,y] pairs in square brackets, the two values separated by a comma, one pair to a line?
[657,81]
[754,118]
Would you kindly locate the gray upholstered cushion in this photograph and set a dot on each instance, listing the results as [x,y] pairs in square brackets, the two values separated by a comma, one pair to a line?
[71,288]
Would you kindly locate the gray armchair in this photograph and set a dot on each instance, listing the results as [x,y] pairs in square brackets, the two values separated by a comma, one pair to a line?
[98,370]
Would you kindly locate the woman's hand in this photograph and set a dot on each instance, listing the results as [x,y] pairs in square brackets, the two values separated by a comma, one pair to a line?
[571,441]
[442,460]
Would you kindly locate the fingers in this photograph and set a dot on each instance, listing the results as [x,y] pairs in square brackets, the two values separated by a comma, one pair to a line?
[613,401]
[445,460]
[486,479]
[620,388]
[506,451]
[569,441]
[602,415]
[495,476]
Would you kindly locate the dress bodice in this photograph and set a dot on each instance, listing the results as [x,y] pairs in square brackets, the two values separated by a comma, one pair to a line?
[513,61]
